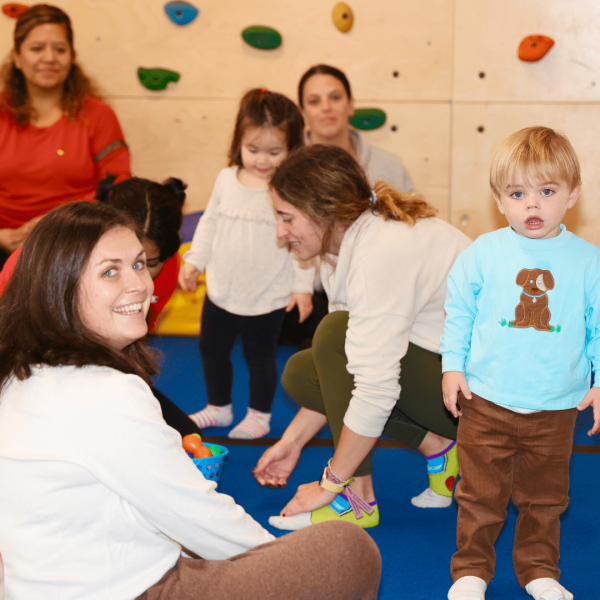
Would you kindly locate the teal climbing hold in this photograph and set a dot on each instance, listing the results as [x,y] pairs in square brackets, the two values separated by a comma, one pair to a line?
[367,118]
[181,13]
[156,79]
[262,37]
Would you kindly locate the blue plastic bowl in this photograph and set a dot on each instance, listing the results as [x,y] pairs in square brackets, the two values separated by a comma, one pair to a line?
[211,466]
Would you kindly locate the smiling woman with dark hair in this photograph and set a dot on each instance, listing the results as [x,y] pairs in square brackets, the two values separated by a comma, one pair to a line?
[98,497]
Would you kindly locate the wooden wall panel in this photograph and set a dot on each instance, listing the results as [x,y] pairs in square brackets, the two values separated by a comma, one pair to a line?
[473,208]
[422,141]
[179,138]
[115,37]
[437,101]
[190,140]
[488,35]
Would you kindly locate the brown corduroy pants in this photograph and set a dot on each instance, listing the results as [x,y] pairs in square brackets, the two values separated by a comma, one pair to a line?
[504,454]
[333,560]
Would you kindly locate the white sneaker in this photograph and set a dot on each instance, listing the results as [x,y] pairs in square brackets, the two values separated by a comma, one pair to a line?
[431,499]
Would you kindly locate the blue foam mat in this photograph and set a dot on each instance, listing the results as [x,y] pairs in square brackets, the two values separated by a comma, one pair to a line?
[181,380]
[416,544]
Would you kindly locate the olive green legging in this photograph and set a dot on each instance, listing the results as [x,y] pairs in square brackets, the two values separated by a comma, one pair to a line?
[317,379]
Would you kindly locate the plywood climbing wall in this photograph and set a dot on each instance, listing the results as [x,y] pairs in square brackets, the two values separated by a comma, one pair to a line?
[446,73]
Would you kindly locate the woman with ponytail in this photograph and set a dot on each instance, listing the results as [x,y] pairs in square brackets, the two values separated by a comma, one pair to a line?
[374,366]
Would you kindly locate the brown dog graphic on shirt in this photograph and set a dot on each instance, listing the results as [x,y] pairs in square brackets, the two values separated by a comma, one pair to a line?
[532,310]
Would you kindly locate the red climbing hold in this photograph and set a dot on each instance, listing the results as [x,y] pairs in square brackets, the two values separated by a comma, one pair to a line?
[534,47]
[14,10]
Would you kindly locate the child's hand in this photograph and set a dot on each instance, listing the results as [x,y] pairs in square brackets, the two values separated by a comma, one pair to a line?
[593,398]
[188,277]
[304,304]
[452,383]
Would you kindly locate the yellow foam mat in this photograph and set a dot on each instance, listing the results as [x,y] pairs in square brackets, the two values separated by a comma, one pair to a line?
[181,315]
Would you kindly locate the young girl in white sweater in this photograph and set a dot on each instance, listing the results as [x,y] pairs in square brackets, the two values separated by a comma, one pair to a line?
[252,279]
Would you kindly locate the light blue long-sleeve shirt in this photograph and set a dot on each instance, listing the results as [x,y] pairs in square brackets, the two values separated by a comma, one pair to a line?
[497,291]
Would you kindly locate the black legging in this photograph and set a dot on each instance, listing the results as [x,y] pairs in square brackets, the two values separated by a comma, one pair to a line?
[174,416]
[260,333]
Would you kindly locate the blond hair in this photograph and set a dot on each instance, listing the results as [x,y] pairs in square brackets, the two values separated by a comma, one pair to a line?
[534,153]
[332,190]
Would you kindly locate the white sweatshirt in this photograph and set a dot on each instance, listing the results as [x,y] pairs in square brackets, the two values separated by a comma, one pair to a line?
[248,270]
[391,278]
[96,492]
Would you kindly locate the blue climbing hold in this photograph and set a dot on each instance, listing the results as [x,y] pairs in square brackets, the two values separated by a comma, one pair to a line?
[181,13]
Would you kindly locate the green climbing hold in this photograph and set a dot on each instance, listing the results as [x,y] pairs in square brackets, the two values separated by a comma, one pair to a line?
[262,37]
[156,79]
[367,118]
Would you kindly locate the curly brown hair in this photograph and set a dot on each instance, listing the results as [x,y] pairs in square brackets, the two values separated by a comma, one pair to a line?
[77,86]
[332,190]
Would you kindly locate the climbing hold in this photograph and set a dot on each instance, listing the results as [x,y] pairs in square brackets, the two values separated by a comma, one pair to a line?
[156,79]
[342,17]
[262,37]
[181,13]
[367,118]
[534,47]
[14,10]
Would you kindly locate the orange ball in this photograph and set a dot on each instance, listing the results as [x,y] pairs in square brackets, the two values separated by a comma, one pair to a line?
[203,452]
[192,443]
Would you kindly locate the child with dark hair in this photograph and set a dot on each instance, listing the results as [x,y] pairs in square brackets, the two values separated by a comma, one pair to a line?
[251,278]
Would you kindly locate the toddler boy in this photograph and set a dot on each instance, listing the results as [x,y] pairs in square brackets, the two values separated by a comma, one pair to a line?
[522,327]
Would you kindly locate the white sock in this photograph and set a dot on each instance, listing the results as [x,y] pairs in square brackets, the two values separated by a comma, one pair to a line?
[546,588]
[299,521]
[431,499]
[468,588]
[253,426]
[213,416]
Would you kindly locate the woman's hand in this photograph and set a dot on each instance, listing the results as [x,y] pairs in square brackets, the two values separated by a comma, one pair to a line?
[188,277]
[309,496]
[11,239]
[277,464]
[304,304]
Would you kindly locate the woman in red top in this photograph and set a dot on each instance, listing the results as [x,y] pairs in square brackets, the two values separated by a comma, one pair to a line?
[57,139]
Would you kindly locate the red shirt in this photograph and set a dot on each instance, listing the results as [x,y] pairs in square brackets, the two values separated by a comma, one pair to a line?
[7,270]
[41,168]
[164,286]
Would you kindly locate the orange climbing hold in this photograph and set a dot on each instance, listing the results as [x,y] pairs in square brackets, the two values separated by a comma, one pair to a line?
[534,47]
[14,10]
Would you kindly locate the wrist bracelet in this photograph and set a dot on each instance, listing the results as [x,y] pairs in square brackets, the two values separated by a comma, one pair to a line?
[332,483]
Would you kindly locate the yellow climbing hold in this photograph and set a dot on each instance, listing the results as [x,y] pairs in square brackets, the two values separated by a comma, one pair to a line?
[342,17]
